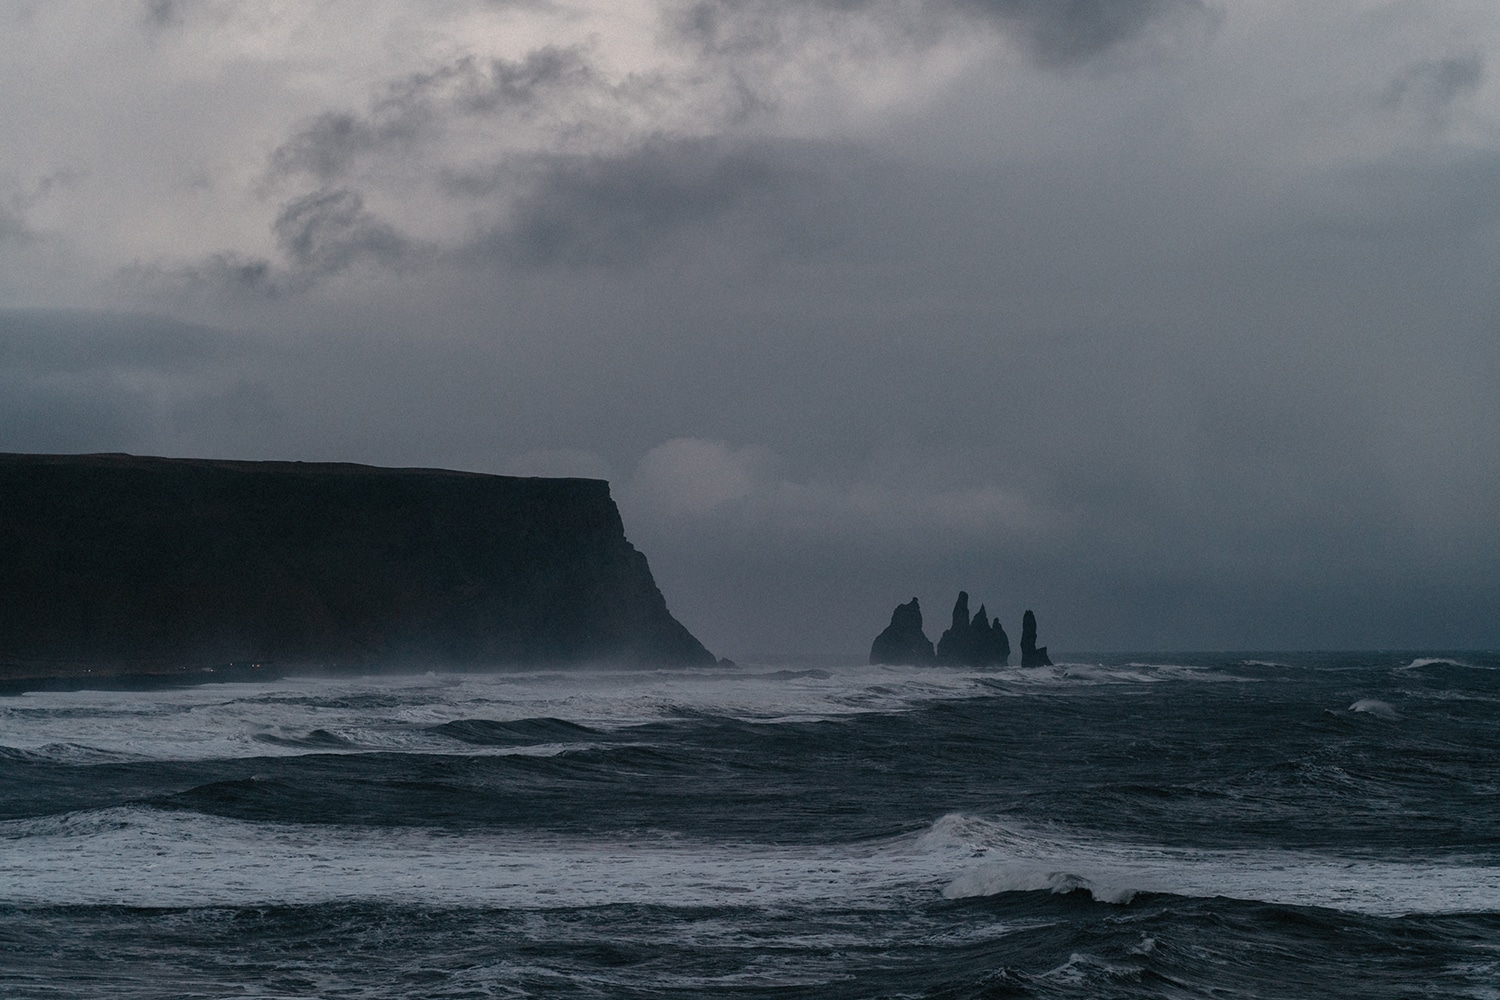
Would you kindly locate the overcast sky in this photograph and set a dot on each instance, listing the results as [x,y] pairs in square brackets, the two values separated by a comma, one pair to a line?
[1176,321]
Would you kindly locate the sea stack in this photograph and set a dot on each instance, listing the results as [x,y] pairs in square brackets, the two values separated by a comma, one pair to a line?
[128,565]
[973,642]
[903,642]
[1032,655]
[954,645]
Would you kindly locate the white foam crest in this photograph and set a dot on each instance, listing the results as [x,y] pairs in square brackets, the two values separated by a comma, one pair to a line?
[1073,675]
[1445,661]
[397,713]
[71,753]
[1013,858]
[1375,707]
[1448,694]
[1082,968]
[138,856]
[299,715]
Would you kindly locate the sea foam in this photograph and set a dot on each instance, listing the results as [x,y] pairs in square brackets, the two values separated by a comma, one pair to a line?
[139,856]
[1018,859]
[407,714]
[1375,707]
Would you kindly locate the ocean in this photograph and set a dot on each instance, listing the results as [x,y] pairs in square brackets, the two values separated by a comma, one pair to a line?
[1269,825]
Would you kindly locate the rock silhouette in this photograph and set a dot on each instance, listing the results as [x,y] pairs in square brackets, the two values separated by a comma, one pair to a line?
[954,646]
[995,650]
[903,642]
[116,564]
[973,642]
[1032,655]
[970,641]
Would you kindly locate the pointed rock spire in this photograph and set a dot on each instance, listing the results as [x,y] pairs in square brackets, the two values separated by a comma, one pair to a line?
[999,645]
[956,645]
[903,641]
[977,641]
[973,642]
[1031,654]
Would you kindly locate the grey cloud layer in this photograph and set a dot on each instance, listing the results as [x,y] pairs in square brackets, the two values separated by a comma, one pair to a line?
[564,205]
[80,381]
[1189,352]
[585,192]
[1058,33]
[1434,85]
[613,210]
[324,232]
[420,106]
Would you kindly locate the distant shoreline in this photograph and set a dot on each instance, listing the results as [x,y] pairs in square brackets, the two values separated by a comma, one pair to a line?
[108,679]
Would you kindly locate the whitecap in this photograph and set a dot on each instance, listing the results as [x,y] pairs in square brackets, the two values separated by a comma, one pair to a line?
[1015,858]
[141,856]
[1375,707]
[296,716]
[1438,661]
[991,880]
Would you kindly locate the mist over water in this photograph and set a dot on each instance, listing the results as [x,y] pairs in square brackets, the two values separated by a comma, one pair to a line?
[1135,826]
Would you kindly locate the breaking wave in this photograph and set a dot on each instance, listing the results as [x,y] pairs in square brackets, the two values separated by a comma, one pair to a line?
[1011,860]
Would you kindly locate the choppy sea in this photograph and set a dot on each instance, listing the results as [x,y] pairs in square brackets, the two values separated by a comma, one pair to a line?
[1276,825]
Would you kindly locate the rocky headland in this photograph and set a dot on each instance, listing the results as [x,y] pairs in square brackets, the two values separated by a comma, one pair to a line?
[116,564]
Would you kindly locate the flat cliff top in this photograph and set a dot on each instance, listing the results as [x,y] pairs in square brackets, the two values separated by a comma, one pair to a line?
[167,564]
[122,461]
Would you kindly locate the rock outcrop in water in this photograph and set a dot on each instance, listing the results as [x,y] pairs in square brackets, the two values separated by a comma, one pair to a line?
[973,642]
[903,642]
[978,641]
[120,564]
[1032,655]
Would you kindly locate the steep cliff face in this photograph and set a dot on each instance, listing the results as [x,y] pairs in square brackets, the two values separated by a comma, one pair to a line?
[115,562]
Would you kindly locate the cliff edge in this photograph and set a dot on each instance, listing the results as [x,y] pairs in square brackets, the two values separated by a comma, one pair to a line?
[124,564]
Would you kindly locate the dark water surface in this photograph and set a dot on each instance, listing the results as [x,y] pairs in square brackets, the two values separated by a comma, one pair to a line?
[1282,825]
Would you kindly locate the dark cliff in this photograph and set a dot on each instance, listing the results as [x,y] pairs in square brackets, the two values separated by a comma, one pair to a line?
[122,564]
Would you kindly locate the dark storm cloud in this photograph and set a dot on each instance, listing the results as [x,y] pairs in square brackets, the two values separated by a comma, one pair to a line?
[1068,32]
[13,228]
[1058,33]
[72,341]
[237,275]
[614,210]
[419,107]
[557,210]
[1434,85]
[325,146]
[50,415]
[80,381]
[158,14]
[16,202]
[320,235]
[325,232]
